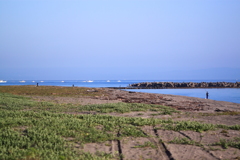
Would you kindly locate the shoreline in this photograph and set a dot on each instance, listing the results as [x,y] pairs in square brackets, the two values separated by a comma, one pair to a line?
[176,101]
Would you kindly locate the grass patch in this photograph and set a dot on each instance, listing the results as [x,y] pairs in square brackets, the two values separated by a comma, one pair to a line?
[51,91]
[188,125]
[146,145]
[233,127]
[223,143]
[39,130]
[185,141]
[229,143]
[195,126]
[127,107]
[14,102]
[45,135]
[231,113]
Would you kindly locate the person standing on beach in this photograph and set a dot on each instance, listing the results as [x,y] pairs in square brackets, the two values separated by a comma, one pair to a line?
[206,95]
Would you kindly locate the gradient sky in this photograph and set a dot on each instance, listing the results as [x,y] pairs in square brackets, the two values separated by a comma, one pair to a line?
[119,39]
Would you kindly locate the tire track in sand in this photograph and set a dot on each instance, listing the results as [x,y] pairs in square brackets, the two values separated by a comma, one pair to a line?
[162,148]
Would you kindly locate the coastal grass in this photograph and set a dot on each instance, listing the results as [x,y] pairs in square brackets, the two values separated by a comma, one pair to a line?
[185,141]
[231,113]
[14,102]
[46,135]
[195,126]
[127,107]
[31,90]
[37,130]
[146,145]
[42,130]
[225,143]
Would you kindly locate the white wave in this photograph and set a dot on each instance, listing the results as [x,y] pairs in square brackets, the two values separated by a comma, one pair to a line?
[2,81]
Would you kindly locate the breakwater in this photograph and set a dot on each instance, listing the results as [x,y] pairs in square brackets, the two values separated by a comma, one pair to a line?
[161,85]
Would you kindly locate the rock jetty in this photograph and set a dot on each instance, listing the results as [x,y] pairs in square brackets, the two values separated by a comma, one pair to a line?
[160,85]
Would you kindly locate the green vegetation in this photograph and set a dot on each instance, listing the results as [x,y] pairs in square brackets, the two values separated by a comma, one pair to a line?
[189,125]
[42,130]
[231,113]
[233,127]
[127,107]
[26,133]
[194,126]
[44,134]
[51,91]
[146,145]
[13,102]
[224,143]
[185,141]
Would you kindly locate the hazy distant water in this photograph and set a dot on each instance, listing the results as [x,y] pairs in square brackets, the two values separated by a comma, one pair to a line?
[231,95]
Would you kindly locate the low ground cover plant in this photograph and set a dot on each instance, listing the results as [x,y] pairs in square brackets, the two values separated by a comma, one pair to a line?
[44,134]
[127,107]
[224,143]
[14,102]
[50,91]
[41,130]
[232,113]
[184,141]
[146,145]
[195,126]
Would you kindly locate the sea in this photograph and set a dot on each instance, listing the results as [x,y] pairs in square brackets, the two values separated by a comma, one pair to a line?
[222,94]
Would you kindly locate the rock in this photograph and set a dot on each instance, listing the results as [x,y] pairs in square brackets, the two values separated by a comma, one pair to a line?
[160,85]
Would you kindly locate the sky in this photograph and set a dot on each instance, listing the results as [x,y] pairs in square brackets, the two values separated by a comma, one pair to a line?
[119,39]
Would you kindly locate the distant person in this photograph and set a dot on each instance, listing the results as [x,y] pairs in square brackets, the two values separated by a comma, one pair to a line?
[206,95]
[37,84]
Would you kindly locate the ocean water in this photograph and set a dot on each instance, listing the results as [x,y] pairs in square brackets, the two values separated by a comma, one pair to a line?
[226,94]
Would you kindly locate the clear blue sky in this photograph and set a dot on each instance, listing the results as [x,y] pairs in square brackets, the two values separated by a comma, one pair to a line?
[119,39]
